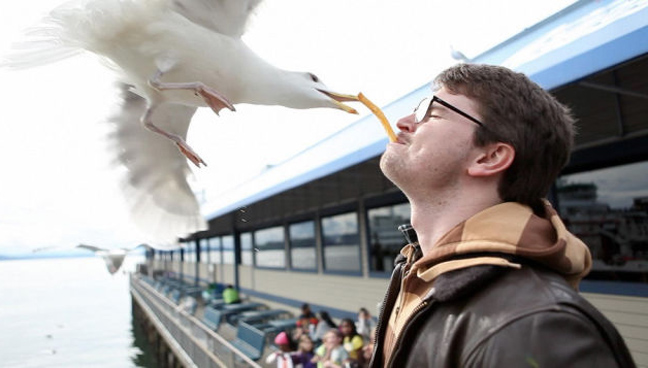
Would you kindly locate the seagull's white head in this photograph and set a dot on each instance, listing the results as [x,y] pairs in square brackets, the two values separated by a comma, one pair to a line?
[303,90]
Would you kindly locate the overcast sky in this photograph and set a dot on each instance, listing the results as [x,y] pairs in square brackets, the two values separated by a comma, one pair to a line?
[58,188]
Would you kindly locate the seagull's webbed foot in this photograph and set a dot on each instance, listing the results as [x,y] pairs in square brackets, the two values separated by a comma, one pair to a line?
[184,148]
[213,98]
[190,154]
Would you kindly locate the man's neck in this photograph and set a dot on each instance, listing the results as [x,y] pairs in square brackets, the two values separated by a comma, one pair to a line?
[432,218]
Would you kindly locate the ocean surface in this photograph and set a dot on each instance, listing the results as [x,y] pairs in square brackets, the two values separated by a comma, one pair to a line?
[68,312]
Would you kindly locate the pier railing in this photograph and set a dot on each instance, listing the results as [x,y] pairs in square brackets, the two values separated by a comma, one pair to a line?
[189,339]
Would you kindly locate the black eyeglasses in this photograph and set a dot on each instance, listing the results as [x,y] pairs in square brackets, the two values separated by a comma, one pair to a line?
[424,108]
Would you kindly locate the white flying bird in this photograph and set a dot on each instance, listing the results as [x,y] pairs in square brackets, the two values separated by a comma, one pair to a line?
[113,257]
[172,56]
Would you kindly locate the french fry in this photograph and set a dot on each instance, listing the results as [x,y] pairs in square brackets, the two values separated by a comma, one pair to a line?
[379,114]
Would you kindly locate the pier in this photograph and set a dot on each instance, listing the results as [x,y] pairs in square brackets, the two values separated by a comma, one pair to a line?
[180,339]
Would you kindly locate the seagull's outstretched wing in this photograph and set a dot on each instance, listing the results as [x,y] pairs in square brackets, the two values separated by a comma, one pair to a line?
[155,184]
[91,248]
[113,258]
[229,17]
[131,249]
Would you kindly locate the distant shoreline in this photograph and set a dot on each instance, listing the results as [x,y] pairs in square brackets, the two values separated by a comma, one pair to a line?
[19,257]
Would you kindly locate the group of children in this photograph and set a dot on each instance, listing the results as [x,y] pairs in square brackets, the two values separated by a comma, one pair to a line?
[319,343]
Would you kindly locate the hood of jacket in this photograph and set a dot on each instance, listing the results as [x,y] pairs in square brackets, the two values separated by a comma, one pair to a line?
[508,229]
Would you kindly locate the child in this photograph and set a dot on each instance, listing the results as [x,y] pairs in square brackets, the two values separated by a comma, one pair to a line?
[365,324]
[303,328]
[331,353]
[352,341]
[283,358]
[303,357]
[367,350]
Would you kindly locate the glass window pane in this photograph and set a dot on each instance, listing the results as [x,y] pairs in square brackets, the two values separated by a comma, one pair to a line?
[215,251]
[204,251]
[384,238]
[189,252]
[271,251]
[608,210]
[246,249]
[341,242]
[302,245]
[227,243]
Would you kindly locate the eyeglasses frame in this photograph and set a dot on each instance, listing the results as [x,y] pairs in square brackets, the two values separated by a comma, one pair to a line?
[448,105]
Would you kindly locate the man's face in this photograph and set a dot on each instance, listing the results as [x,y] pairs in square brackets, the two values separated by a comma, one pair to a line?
[433,154]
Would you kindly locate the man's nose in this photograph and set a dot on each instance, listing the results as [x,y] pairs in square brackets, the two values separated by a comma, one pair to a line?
[407,123]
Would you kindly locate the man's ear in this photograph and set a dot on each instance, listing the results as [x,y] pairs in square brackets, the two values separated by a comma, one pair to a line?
[494,159]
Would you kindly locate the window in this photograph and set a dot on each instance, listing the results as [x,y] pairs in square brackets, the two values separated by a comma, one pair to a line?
[227,244]
[302,246]
[204,251]
[246,249]
[608,210]
[189,252]
[384,238]
[215,251]
[271,251]
[341,243]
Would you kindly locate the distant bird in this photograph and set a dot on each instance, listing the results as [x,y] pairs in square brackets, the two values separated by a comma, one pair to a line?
[458,55]
[113,257]
[172,56]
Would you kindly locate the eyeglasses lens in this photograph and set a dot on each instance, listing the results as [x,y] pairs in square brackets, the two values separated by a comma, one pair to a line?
[422,110]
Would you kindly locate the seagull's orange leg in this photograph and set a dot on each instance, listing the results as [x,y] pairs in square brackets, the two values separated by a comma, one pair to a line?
[213,98]
[184,148]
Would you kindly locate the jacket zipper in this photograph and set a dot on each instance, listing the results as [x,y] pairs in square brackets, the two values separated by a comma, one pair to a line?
[406,326]
[401,270]
[392,291]
[390,298]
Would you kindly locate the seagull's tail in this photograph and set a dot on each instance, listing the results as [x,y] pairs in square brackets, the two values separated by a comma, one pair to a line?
[75,27]
[55,38]
[41,45]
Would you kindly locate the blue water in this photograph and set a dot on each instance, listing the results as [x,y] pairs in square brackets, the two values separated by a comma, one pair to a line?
[68,313]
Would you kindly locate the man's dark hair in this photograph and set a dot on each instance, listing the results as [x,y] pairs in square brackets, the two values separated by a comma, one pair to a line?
[517,111]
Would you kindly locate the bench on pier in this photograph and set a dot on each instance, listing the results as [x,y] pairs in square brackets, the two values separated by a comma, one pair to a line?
[175,296]
[249,340]
[193,291]
[231,312]
[284,324]
[263,316]
[212,318]
[189,304]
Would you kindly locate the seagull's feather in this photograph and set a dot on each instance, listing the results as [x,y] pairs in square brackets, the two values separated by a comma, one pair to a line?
[113,258]
[155,183]
[91,248]
[226,17]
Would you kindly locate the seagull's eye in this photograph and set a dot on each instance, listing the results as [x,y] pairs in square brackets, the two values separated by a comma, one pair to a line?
[314,77]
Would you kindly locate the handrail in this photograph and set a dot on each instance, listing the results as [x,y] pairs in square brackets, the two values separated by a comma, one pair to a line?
[159,325]
[189,326]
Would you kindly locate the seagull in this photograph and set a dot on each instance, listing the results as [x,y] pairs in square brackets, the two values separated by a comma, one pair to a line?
[458,55]
[171,57]
[113,257]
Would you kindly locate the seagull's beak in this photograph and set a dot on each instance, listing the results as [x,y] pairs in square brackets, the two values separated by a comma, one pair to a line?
[338,98]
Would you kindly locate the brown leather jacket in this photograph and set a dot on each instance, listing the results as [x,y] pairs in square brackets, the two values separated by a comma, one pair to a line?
[489,316]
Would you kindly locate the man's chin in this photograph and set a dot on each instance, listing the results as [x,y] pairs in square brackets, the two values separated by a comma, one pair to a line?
[390,166]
